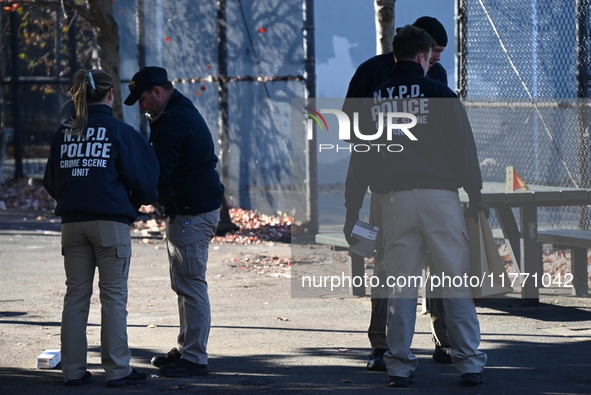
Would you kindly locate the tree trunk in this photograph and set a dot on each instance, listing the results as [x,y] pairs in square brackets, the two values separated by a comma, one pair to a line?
[107,38]
[384,25]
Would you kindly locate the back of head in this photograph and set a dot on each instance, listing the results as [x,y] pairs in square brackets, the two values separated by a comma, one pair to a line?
[91,86]
[88,87]
[411,41]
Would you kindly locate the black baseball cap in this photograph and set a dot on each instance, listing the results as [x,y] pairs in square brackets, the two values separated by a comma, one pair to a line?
[144,80]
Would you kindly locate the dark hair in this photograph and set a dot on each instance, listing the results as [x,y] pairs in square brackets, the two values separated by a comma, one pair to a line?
[88,87]
[167,86]
[411,41]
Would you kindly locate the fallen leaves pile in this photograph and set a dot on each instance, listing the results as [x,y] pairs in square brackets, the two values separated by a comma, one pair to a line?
[257,228]
[253,228]
[20,195]
[557,263]
[507,259]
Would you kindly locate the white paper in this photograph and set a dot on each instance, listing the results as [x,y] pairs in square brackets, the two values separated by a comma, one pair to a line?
[366,235]
[49,359]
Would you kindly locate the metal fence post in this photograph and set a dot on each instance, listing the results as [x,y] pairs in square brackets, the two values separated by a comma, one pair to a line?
[16,116]
[584,93]
[311,155]
[224,138]
[5,135]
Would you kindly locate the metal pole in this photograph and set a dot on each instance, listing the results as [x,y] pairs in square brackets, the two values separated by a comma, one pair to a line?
[584,53]
[16,116]
[67,110]
[57,48]
[141,54]
[461,44]
[311,181]
[72,43]
[3,65]
[534,92]
[224,137]
[584,93]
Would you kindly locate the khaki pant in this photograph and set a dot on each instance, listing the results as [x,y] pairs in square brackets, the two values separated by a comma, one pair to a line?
[105,245]
[188,238]
[415,222]
[379,295]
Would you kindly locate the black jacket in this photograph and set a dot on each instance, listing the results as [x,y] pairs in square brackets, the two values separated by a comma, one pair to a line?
[106,176]
[189,182]
[376,70]
[443,157]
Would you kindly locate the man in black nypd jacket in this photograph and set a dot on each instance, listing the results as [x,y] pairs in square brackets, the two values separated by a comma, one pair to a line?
[191,195]
[416,171]
[368,76]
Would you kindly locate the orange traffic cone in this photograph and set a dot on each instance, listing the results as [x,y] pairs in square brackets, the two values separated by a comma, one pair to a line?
[513,182]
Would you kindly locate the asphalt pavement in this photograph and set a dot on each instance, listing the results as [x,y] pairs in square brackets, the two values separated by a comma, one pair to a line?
[263,339]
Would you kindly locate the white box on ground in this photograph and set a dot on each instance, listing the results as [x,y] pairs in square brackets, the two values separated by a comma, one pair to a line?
[49,359]
[366,234]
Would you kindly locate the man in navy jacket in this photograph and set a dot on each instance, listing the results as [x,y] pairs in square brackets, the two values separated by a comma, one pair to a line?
[369,75]
[191,195]
[417,187]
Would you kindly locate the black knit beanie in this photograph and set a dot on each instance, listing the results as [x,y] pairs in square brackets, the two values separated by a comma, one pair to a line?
[434,28]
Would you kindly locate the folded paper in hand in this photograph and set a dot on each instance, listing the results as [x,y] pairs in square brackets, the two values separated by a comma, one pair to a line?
[366,235]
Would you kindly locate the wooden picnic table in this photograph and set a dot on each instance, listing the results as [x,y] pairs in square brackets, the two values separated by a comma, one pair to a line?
[494,194]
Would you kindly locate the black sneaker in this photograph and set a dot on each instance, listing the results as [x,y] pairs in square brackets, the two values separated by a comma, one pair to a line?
[442,354]
[375,361]
[133,378]
[87,378]
[171,357]
[399,381]
[471,379]
[183,368]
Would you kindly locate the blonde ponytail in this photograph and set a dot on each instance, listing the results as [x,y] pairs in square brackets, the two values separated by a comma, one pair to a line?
[88,87]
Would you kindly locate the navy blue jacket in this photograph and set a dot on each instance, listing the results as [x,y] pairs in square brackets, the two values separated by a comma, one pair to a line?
[443,157]
[105,176]
[376,70]
[189,182]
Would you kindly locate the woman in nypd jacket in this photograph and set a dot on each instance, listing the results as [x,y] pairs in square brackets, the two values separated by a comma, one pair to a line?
[100,170]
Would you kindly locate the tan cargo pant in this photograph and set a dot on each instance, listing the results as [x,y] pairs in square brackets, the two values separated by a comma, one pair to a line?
[379,295]
[188,238]
[105,245]
[415,222]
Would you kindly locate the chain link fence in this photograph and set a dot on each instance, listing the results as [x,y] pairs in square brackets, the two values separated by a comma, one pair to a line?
[524,75]
[41,44]
[241,74]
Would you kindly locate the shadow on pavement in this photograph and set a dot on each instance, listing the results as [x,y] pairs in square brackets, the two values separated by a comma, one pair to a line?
[544,312]
[514,367]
